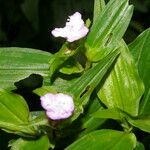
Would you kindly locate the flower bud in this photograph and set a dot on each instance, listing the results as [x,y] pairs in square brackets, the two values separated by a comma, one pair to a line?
[58,106]
[74,29]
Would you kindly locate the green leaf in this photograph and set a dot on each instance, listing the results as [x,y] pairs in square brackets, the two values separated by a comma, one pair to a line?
[61,59]
[140,49]
[14,114]
[109,28]
[93,76]
[44,90]
[123,87]
[30,9]
[71,66]
[107,113]
[38,144]
[105,140]
[82,88]
[18,63]
[141,122]
[139,146]
[99,5]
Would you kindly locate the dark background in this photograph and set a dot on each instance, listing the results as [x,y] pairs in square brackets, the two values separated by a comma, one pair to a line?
[28,23]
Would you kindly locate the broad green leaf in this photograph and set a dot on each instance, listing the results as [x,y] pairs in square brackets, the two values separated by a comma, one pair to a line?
[99,5]
[38,144]
[141,122]
[109,28]
[123,87]
[30,9]
[105,140]
[18,63]
[14,113]
[107,113]
[140,48]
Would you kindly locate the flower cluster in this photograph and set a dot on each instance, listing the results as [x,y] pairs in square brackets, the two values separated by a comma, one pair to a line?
[58,106]
[74,29]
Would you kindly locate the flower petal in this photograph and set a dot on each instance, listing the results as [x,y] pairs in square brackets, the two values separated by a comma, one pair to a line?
[57,106]
[74,29]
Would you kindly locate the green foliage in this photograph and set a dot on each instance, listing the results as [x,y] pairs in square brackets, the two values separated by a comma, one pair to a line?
[18,63]
[140,50]
[139,146]
[141,122]
[105,34]
[99,5]
[105,139]
[123,79]
[104,76]
[24,144]
[107,113]
[14,114]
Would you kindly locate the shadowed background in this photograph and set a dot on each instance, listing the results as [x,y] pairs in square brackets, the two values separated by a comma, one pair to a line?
[28,23]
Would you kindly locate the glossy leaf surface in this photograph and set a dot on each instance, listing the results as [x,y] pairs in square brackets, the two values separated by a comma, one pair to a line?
[107,113]
[105,139]
[109,28]
[140,48]
[123,87]
[39,144]
[82,88]
[98,7]
[18,63]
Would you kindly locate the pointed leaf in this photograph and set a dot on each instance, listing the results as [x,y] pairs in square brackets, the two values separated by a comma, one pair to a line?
[99,5]
[105,140]
[141,122]
[109,28]
[140,49]
[123,87]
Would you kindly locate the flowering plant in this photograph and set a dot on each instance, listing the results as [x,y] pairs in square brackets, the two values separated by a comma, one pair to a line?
[93,79]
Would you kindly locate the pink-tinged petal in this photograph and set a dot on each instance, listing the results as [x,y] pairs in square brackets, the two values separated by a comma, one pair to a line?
[75,28]
[47,100]
[59,32]
[57,106]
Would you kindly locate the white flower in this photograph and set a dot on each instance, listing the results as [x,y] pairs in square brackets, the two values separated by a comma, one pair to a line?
[57,106]
[74,29]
